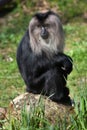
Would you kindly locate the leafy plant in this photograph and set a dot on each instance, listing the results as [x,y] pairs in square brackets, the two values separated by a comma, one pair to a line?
[79,121]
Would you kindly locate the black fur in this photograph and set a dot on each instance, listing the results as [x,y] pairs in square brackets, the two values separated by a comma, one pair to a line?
[43,75]
[42,16]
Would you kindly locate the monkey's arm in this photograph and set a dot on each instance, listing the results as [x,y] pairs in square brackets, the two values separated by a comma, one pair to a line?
[59,60]
[63,61]
[30,65]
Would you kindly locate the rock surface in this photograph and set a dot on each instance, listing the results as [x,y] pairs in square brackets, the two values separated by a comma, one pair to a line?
[3,112]
[52,110]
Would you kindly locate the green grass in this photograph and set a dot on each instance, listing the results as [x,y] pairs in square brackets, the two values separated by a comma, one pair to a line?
[76,47]
[69,8]
[11,83]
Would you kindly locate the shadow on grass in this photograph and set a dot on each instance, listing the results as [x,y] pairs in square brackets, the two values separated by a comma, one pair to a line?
[4,10]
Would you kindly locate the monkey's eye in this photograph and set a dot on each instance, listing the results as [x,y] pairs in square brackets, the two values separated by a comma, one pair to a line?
[47,25]
[38,25]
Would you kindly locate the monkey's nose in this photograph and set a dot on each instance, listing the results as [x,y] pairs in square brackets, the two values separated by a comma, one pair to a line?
[44,33]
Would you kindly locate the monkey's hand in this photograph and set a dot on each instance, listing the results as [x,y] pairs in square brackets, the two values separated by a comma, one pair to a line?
[67,65]
[64,62]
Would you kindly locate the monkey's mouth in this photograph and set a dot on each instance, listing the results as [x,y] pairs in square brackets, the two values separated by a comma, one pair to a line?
[45,36]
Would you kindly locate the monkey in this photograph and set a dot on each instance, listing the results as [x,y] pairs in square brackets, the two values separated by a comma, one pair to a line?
[41,59]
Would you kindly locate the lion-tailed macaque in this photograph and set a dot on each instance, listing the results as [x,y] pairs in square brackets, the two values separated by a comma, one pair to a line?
[41,61]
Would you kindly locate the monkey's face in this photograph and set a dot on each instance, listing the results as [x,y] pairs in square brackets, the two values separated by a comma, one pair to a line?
[46,33]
